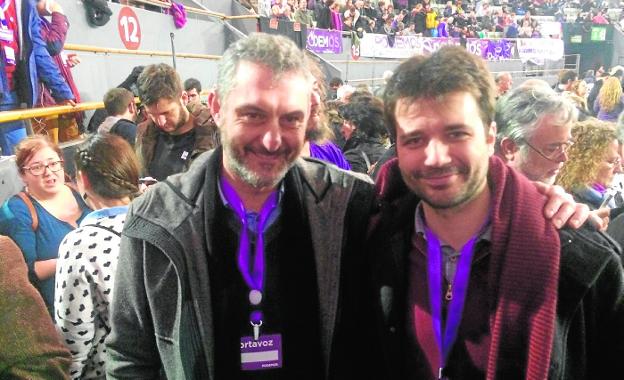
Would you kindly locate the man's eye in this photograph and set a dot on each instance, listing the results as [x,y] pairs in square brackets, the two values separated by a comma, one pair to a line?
[457,135]
[413,141]
[292,119]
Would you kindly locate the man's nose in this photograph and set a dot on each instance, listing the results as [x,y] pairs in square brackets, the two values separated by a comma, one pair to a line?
[272,139]
[436,153]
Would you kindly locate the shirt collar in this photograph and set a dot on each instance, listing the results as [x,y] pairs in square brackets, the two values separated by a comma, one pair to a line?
[96,215]
[420,225]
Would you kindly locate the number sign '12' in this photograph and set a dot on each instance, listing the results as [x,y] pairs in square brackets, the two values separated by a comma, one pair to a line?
[129,28]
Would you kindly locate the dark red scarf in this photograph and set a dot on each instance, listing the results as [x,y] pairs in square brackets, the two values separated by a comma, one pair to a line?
[524,272]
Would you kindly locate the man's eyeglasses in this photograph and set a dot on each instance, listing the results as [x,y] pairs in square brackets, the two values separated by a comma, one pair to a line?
[552,152]
[39,169]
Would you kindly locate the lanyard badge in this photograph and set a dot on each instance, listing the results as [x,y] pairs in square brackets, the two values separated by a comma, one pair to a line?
[446,333]
[258,351]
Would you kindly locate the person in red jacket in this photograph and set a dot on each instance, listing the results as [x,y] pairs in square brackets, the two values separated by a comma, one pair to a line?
[54,31]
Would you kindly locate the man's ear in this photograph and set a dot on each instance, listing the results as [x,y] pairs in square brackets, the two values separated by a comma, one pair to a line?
[215,106]
[184,98]
[508,149]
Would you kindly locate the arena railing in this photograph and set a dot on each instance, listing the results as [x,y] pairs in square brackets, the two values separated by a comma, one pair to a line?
[194,10]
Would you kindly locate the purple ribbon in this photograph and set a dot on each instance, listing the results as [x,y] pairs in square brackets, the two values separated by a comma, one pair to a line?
[445,337]
[253,276]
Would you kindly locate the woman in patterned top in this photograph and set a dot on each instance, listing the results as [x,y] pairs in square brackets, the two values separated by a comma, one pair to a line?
[108,173]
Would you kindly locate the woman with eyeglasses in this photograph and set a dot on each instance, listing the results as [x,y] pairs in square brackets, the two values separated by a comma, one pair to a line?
[108,172]
[592,163]
[39,218]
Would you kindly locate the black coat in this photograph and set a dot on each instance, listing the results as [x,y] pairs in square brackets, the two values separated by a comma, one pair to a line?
[589,333]
[363,152]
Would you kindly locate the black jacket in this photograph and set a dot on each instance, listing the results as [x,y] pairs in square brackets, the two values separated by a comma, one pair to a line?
[162,319]
[363,152]
[589,334]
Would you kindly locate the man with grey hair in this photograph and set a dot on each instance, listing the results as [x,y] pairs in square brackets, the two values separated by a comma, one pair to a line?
[248,265]
[503,81]
[535,130]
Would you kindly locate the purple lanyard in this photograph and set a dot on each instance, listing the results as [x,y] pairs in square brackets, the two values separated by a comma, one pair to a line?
[445,338]
[253,276]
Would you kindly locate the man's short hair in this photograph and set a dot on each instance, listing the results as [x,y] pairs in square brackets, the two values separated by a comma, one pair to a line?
[501,75]
[335,82]
[448,70]
[519,113]
[192,83]
[116,100]
[278,53]
[366,113]
[566,76]
[157,82]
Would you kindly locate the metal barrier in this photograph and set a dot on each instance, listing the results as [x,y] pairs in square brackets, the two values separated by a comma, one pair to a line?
[96,49]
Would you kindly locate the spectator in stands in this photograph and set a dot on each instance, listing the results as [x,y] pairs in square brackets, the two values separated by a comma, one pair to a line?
[31,348]
[526,28]
[66,127]
[599,17]
[39,218]
[534,130]
[512,28]
[503,81]
[371,27]
[303,15]
[108,173]
[368,11]
[565,80]
[431,21]
[447,197]
[448,9]
[172,136]
[609,103]
[122,110]
[593,161]
[364,132]
[193,90]
[442,28]
[178,252]
[129,84]
[419,18]
[324,18]
[336,17]
[29,51]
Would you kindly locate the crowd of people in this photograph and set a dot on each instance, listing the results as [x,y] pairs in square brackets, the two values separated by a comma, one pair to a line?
[242,238]
[35,71]
[512,19]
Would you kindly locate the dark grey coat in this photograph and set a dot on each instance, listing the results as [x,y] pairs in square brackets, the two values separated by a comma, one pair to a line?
[161,315]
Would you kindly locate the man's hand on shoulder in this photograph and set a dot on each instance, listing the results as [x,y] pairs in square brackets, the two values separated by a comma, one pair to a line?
[561,209]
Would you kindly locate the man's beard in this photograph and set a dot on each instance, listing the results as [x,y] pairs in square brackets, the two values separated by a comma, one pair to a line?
[237,164]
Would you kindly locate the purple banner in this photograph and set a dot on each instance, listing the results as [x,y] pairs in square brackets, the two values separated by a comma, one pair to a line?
[322,41]
[491,50]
